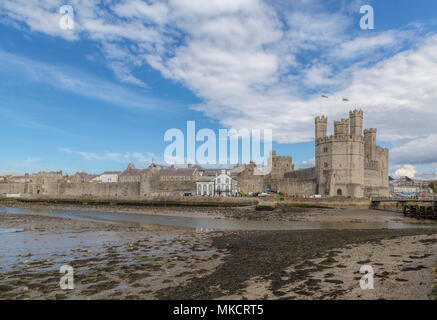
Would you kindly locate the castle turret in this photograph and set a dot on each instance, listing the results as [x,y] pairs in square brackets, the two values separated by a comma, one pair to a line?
[356,122]
[370,143]
[341,128]
[321,124]
[279,165]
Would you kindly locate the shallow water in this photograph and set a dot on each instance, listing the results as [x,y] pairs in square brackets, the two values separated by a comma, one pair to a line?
[207,224]
[59,246]
[42,245]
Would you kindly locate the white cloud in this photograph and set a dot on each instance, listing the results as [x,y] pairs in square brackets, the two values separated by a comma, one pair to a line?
[262,65]
[308,163]
[362,46]
[406,170]
[126,157]
[418,151]
[155,11]
[66,78]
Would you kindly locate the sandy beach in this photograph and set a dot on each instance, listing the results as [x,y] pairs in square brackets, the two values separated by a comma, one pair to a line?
[129,261]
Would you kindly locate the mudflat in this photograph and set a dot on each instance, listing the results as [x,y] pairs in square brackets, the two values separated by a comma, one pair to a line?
[129,261]
[249,212]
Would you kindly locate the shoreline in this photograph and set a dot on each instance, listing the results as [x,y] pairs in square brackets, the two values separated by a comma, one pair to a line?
[131,262]
[280,214]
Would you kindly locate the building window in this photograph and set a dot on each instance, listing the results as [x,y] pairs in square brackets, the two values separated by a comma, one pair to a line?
[325,149]
[326,164]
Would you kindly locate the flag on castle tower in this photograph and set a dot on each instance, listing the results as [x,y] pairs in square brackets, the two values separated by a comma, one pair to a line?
[344,99]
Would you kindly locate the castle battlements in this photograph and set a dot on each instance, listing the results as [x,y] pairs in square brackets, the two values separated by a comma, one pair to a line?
[321,118]
[340,138]
[370,130]
[355,113]
[349,162]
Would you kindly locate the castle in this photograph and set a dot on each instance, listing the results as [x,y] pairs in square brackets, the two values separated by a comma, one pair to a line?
[347,163]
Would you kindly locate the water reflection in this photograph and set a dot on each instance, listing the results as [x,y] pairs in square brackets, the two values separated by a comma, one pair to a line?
[202,224]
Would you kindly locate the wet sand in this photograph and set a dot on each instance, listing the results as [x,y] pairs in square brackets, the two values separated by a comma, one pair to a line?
[145,262]
[403,269]
[281,214]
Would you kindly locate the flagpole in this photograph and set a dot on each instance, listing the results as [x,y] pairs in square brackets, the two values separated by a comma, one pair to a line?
[346,100]
[321,98]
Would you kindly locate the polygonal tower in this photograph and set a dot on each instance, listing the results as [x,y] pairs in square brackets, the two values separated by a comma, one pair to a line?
[370,143]
[356,122]
[340,158]
[321,125]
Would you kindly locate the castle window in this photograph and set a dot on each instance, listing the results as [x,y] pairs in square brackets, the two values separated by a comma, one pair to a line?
[325,149]
[326,164]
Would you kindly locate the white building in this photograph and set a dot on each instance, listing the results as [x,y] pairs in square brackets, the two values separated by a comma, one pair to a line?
[225,185]
[108,177]
[222,184]
[205,188]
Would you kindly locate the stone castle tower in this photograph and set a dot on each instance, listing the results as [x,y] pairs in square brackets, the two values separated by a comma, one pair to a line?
[348,163]
[279,165]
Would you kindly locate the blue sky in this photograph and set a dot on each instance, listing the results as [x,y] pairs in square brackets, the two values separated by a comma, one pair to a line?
[103,94]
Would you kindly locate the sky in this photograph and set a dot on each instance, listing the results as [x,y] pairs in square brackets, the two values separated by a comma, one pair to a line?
[103,94]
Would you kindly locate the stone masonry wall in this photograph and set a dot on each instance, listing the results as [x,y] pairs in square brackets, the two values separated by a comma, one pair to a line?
[11,188]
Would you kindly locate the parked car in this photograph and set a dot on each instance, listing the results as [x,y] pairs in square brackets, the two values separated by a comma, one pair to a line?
[271,191]
[316,196]
[262,194]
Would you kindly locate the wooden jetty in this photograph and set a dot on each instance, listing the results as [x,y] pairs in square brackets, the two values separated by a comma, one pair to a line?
[425,208]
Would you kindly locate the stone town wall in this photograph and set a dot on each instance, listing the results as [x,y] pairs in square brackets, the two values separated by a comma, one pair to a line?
[249,184]
[150,186]
[154,186]
[302,174]
[301,182]
[99,189]
[11,188]
[297,187]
